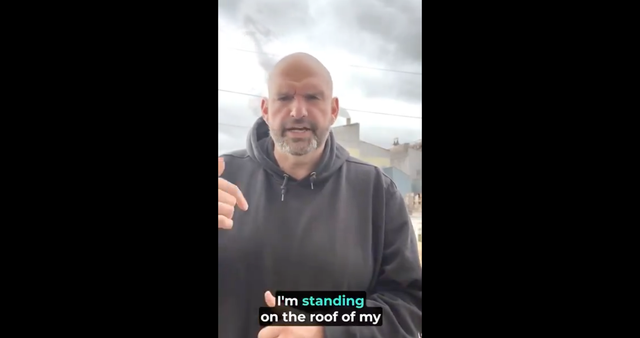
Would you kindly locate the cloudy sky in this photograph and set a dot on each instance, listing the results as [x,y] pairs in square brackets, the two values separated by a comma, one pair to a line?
[373,49]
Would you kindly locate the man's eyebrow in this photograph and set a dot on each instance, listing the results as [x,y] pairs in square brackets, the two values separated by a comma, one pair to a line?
[318,93]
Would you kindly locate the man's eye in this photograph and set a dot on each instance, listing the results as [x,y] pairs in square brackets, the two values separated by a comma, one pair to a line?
[311,97]
[284,98]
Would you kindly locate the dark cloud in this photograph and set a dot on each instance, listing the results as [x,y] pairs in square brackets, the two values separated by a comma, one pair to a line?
[386,31]
[393,27]
[390,30]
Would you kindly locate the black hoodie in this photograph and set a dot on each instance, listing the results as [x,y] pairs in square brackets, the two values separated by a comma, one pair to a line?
[343,228]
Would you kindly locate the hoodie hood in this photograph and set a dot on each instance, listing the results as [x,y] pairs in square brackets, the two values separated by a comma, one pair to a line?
[260,148]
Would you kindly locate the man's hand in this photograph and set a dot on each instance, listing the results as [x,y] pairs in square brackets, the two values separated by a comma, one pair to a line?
[288,331]
[228,196]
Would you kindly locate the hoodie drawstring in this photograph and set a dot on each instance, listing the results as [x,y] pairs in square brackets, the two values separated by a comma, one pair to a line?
[313,178]
[284,185]
[286,178]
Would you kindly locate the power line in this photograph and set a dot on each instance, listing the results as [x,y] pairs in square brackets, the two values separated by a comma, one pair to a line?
[354,66]
[233,125]
[349,109]
[239,93]
[387,70]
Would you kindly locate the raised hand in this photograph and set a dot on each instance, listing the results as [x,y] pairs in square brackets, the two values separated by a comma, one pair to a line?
[228,196]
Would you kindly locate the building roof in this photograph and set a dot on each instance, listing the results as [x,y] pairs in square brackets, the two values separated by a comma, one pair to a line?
[417,145]
[371,144]
[346,125]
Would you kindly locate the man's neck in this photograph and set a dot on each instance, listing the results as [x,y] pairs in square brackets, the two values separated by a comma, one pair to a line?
[298,167]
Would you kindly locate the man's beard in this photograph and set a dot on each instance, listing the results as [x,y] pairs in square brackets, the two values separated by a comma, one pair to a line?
[298,145]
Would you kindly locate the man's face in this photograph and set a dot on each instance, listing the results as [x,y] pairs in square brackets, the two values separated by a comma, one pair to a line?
[300,110]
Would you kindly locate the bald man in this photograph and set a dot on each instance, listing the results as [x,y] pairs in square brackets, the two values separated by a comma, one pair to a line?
[296,212]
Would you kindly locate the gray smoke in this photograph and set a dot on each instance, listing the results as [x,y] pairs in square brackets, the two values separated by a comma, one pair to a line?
[389,31]
[260,34]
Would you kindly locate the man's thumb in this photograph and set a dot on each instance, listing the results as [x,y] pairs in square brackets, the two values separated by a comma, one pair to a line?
[269,299]
[220,166]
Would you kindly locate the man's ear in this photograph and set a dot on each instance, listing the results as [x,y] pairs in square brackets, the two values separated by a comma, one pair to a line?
[264,108]
[335,109]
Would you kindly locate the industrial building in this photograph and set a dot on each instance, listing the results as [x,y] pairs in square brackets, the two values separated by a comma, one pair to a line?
[401,162]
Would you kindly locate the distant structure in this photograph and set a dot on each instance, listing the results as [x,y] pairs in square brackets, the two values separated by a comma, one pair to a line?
[402,162]
[349,137]
[408,158]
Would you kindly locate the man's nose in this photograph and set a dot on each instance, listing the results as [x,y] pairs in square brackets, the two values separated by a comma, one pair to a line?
[298,109]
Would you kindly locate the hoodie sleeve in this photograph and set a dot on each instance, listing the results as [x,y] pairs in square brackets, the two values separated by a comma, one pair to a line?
[398,289]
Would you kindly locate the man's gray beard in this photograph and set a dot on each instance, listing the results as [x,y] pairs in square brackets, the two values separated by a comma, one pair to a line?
[295,148]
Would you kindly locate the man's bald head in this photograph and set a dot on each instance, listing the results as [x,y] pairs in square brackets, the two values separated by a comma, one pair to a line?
[298,67]
[301,108]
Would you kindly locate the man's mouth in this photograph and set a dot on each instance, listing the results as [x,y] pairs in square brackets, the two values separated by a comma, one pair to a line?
[298,130]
